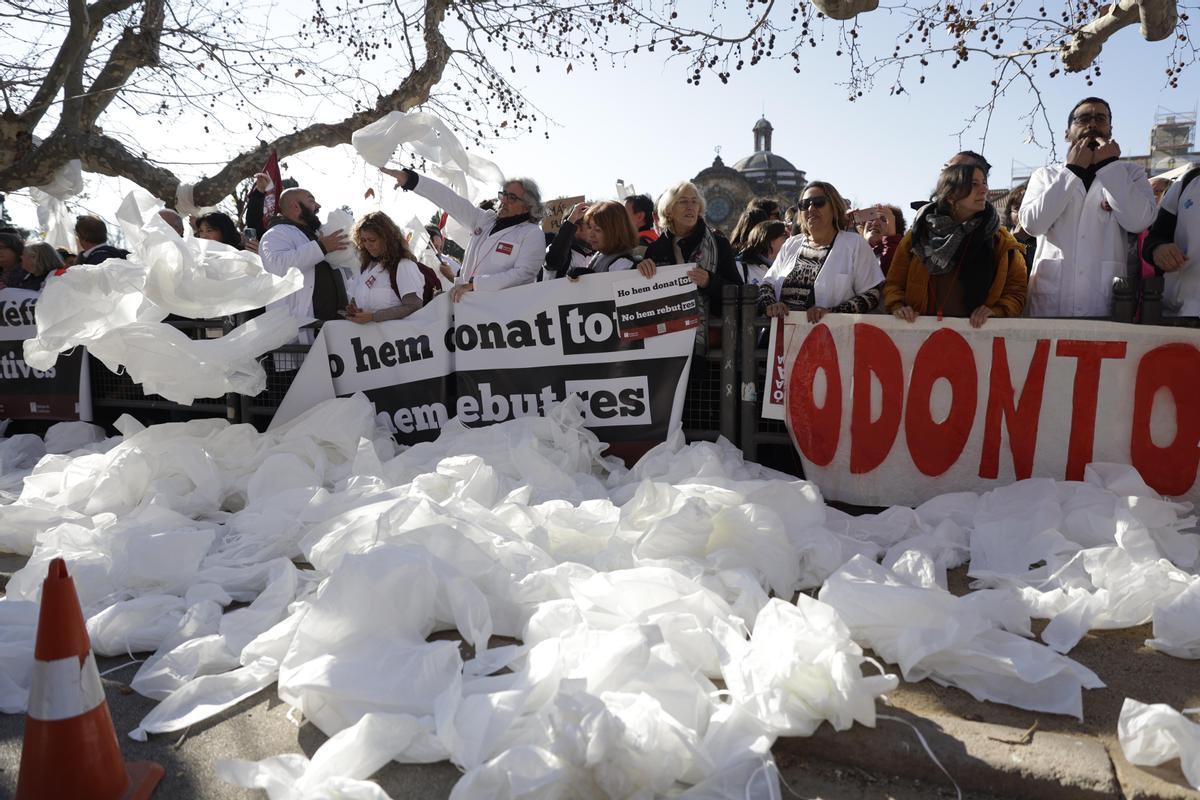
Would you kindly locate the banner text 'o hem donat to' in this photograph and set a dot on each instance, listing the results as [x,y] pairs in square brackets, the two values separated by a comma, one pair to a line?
[885,412]
[494,356]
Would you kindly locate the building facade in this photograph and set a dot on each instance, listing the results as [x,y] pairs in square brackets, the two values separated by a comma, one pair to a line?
[727,190]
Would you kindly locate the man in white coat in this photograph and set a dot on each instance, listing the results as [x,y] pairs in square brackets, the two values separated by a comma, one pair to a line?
[506,247]
[294,240]
[1081,213]
[1171,245]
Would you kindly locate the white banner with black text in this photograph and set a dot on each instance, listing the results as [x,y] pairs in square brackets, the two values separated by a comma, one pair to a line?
[495,356]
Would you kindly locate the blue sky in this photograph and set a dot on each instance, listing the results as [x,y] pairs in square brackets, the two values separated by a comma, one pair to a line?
[642,123]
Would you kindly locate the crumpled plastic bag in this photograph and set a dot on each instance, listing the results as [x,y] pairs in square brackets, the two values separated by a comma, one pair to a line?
[340,765]
[960,642]
[1153,734]
[18,625]
[1177,625]
[67,437]
[801,668]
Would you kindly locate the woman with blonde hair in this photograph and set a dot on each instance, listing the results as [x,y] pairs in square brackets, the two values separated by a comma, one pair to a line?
[826,267]
[390,285]
[687,239]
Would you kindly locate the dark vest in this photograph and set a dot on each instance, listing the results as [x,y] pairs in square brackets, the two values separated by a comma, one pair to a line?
[329,290]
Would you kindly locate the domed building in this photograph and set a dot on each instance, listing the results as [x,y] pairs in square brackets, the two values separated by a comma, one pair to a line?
[727,190]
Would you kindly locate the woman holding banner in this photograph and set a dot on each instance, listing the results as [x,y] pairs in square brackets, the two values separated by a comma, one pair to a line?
[613,237]
[827,267]
[391,284]
[958,261]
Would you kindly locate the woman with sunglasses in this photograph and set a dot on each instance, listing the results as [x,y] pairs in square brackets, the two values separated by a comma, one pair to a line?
[957,261]
[506,248]
[826,267]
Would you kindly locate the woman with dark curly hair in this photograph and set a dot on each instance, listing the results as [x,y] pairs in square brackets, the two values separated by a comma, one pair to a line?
[390,284]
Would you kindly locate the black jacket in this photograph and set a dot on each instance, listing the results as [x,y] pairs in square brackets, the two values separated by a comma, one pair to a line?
[662,252]
[101,254]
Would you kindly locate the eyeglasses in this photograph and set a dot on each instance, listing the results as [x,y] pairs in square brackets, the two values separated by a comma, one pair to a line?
[1088,119]
[503,195]
[813,202]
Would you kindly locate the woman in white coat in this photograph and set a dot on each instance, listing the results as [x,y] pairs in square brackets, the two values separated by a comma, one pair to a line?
[826,267]
[506,248]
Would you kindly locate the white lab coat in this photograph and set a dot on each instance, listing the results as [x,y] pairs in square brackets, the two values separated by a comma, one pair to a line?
[1181,289]
[850,269]
[1081,236]
[283,247]
[494,261]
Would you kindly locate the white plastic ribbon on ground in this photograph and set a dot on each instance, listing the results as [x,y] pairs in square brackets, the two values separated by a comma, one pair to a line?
[974,643]
[1154,734]
[623,594]
[116,310]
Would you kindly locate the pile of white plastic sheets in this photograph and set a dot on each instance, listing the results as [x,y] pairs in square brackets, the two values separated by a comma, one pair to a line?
[626,597]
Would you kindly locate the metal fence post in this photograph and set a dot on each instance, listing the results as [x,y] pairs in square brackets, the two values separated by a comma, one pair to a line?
[1122,300]
[730,306]
[1152,289]
[748,389]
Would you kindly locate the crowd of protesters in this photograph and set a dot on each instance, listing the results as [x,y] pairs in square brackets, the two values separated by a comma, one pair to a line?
[1052,248]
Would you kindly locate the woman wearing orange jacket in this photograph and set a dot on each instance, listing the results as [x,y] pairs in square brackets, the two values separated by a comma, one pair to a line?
[957,261]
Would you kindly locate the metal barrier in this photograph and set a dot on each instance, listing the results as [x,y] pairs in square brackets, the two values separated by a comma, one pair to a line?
[115,393]
[723,395]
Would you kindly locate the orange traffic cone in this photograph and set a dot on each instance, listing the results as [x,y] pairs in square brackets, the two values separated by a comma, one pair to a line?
[70,748]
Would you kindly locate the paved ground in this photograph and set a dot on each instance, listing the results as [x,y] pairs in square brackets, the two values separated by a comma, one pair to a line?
[990,750]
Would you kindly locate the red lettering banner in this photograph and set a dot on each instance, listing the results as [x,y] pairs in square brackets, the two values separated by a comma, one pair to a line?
[883,411]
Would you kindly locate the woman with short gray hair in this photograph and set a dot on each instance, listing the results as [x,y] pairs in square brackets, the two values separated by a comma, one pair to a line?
[506,247]
[38,261]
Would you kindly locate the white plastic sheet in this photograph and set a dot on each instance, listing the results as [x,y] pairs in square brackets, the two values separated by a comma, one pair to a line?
[963,642]
[431,140]
[1154,734]
[632,590]
[116,309]
[1177,625]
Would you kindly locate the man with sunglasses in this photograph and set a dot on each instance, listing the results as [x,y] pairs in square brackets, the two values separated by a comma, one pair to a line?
[506,246]
[1082,213]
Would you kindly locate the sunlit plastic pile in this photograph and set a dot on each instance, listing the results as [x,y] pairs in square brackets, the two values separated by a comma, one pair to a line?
[625,598]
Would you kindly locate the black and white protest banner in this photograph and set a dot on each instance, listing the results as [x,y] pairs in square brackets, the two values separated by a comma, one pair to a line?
[405,367]
[888,412]
[498,355]
[662,304]
[59,393]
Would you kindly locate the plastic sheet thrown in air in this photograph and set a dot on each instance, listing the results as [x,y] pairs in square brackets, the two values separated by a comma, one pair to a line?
[1154,734]
[116,310]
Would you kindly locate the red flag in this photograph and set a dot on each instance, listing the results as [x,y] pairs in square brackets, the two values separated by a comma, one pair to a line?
[442,221]
[274,189]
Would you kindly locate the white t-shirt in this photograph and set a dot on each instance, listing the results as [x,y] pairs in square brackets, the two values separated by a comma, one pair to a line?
[373,289]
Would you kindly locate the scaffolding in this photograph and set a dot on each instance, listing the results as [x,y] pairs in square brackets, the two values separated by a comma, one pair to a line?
[1172,140]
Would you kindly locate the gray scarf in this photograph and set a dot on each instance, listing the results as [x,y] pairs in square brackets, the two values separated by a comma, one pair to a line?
[705,257]
[937,238]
